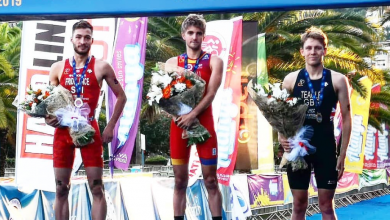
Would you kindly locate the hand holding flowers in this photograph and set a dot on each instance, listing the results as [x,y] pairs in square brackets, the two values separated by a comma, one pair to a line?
[177,91]
[55,104]
[286,116]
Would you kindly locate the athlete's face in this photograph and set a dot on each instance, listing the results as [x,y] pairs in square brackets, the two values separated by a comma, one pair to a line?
[313,51]
[82,40]
[193,37]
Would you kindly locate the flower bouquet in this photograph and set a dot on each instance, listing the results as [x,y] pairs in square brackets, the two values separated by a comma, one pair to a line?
[286,116]
[177,91]
[57,101]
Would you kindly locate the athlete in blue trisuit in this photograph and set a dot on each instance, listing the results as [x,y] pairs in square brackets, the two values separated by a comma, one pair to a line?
[321,89]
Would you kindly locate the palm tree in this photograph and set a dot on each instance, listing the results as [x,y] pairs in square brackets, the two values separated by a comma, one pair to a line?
[10,39]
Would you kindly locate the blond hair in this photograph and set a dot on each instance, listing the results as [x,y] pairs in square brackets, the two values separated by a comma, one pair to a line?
[315,33]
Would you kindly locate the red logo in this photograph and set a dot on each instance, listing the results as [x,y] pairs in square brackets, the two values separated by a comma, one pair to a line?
[213,45]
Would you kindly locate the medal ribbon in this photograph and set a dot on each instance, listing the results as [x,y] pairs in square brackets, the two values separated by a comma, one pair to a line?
[196,64]
[79,85]
[321,97]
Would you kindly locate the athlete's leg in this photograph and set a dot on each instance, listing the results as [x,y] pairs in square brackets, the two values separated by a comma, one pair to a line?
[61,206]
[99,205]
[179,192]
[299,183]
[63,155]
[325,197]
[180,155]
[300,202]
[211,183]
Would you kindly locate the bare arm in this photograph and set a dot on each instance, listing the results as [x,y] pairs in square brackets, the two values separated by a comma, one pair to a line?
[110,77]
[216,65]
[341,88]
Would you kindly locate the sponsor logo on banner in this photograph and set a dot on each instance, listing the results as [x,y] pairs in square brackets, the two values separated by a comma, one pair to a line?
[360,108]
[194,166]
[128,63]
[42,45]
[383,148]
[214,44]
[227,127]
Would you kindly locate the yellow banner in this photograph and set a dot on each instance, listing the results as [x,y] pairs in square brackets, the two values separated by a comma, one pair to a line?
[360,108]
[288,198]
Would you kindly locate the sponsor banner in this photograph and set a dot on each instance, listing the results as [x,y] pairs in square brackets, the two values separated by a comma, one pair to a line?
[194,166]
[370,152]
[265,146]
[239,197]
[197,204]
[247,150]
[217,42]
[80,201]
[372,177]
[288,198]
[313,190]
[137,192]
[227,127]
[383,151]
[265,190]
[162,190]
[348,182]
[115,206]
[18,205]
[388,175]
[44,9]
[128,62]
[43,44]
[360,109]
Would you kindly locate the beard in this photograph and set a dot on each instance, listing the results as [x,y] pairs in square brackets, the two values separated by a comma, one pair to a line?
[193,47]
[82,53]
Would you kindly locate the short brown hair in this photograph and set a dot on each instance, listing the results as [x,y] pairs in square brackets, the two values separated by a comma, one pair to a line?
[315,33]
[194,20]
[83,24]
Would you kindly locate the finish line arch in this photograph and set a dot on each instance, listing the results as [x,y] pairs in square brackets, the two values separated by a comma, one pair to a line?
[71,9]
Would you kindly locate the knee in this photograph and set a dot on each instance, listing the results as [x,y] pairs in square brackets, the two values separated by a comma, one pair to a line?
[211,182]
[300,206]
[97,188]
[62,189]
[181,183]
[326,207]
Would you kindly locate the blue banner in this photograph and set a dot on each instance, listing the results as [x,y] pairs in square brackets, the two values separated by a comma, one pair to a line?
[27,9]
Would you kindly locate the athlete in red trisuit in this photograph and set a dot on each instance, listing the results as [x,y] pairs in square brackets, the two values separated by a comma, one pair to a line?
[210,69]
[83,75]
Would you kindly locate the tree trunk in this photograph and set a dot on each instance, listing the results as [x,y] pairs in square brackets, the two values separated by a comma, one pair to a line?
[3,146]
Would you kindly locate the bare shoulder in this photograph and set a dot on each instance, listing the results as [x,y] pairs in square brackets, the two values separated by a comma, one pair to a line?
[172,61]
[57,66]
[290,79]
[338,79]
[102,64]
[216,62]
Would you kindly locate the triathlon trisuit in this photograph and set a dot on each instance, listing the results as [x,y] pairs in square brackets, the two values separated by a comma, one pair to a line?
[207,151]
[324,160]
[63,147]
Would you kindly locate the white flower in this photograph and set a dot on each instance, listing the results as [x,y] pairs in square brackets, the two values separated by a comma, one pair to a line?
[180,87]
[276,92]
[292,102]
[33,106]
[260,90]
[284,94]
[155,94]
[40,97]
[29,98]
[270,100]
[158,79]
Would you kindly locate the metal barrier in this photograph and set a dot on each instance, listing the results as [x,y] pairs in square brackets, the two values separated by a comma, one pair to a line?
[341,200]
